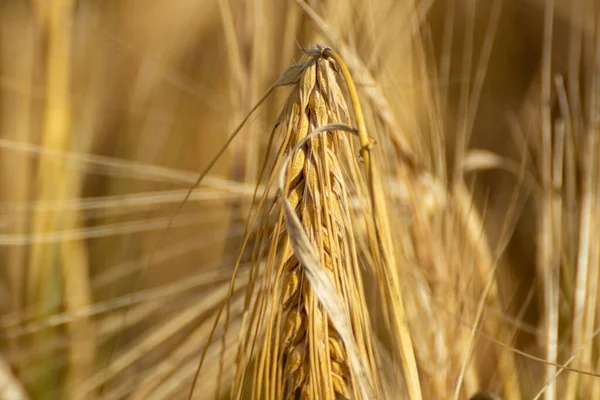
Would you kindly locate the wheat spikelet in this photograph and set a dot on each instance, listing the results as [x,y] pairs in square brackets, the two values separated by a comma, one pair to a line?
[301,352]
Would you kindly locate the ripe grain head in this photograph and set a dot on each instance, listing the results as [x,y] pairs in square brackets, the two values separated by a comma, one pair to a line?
[292,346]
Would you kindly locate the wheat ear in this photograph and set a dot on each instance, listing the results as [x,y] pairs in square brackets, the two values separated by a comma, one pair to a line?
[312,330]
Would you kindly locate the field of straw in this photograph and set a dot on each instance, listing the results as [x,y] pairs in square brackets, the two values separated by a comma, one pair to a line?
[299,199]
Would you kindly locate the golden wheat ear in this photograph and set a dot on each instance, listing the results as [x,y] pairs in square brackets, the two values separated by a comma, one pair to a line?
[308,335]
[307,332]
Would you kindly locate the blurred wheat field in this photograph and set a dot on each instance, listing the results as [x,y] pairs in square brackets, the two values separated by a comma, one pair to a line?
[469,263]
